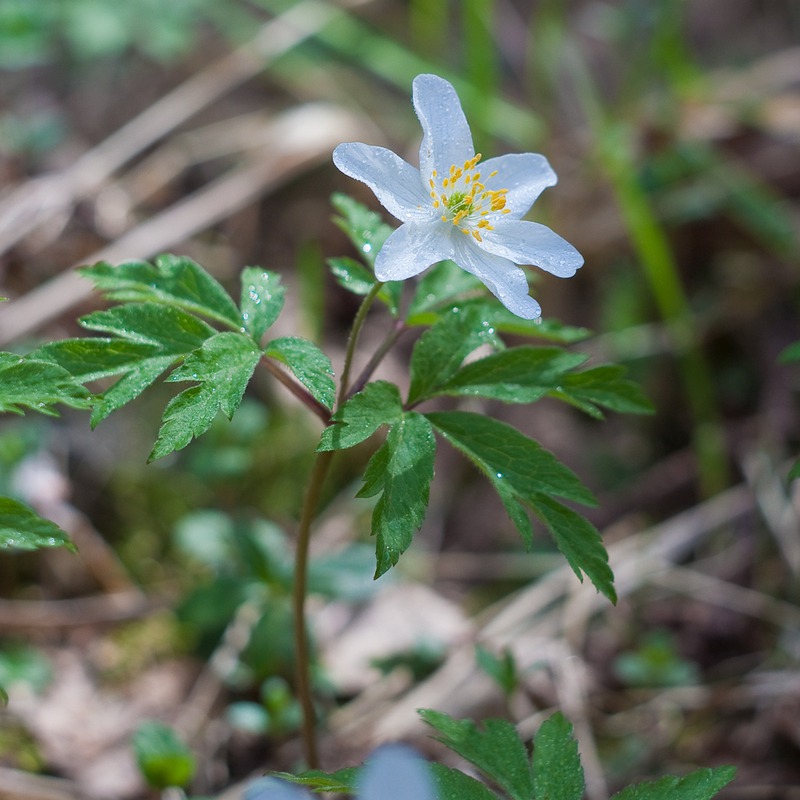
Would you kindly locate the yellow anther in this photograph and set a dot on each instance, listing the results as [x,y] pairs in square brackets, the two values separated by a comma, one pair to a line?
[465,201]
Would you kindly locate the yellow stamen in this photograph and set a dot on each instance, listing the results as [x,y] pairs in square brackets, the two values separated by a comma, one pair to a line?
[465,201]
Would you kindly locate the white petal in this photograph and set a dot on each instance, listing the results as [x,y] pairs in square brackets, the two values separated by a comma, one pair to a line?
[526,242]
[274,789]
[412,249]
[505,280]
[395,182]
[395,772]
[446,136]
[525,175]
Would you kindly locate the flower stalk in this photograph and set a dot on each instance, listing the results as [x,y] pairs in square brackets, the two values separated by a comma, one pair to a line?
[319,472]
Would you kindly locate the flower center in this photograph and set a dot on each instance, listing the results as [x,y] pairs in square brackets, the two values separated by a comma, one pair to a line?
[465,201]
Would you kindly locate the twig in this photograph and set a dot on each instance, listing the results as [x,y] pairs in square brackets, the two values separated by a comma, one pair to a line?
[300,138]
[18,785]
[74,613]
[40,200]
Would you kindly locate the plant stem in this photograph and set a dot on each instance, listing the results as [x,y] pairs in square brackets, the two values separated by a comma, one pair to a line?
[302,655]
[352,341]
[300,392]
[398,329]
[300,587]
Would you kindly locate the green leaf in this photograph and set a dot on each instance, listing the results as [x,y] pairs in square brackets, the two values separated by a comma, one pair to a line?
[496,750]
[603,386]
[344,575]
[225,363]
[516,511]
[790,353]
[172,280]
[186,417]
[98,357]
[163,758]
[351,275]
[366,230]
[377,404]
[308,363]
[23,529]
[518,375]
[90,359]
[557,770]
[702,784]
[794,472]
[550,330]
[402,470]
[37,385]
[223,366]
[343,781]
[520,469]
[501,669]
[176,331]
[446,284]
[579,541]
[262,300]
[452,784]
[359,280]
[152,339]
[24,665]
[507,457]
[438,353]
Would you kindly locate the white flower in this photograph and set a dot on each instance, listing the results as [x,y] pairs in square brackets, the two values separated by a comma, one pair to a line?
[393,772]
[457,207]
